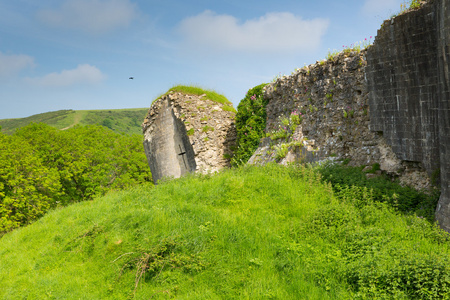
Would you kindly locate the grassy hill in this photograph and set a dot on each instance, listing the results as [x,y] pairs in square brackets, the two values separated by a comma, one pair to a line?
[269,232]
[119,120]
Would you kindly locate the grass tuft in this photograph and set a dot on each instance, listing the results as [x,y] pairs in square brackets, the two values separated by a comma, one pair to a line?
[198,91]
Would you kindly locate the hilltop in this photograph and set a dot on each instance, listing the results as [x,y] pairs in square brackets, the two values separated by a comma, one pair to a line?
[119,120]
[270,232]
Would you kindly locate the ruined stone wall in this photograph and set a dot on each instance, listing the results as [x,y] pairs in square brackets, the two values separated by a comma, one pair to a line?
[209,129]
[388,104]
[331,97]
[443,24]
[408,83]
[402,81]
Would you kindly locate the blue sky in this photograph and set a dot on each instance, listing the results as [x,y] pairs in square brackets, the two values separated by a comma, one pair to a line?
[79,54]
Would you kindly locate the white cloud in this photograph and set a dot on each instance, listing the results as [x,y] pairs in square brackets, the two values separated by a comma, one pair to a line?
[93,16]
[12,64]
[83,74]
[274,32]
[376,7]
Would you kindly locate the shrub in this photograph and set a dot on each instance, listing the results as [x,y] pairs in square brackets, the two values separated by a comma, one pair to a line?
[250,124]
[405,199]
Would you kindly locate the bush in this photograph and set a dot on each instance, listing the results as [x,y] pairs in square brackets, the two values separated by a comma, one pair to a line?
[382,189]
[250,124]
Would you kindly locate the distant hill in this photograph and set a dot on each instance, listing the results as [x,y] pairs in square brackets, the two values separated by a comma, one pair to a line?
[119,120]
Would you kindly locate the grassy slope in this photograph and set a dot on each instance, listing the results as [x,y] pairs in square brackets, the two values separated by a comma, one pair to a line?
[249,233]
[120,120]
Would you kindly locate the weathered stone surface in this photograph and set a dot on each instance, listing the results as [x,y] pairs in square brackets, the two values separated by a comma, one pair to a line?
[408,79]
[167,146]
[388,105]
[208,133]
[332,100]
[443,89]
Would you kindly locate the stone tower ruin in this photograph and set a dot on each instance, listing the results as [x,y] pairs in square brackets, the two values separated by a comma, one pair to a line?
[188,133]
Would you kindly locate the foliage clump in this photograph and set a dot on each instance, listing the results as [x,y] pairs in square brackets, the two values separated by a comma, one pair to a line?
[250,124]
[382,189]
[42,168]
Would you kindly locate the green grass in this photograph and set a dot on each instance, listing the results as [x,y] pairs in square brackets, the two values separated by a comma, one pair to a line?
[58,119]
[119,120]
[198,91]
[269,232]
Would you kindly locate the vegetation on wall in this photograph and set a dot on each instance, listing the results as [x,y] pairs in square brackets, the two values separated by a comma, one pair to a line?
[270,232]
[198,91]
[43,168]
[250,124]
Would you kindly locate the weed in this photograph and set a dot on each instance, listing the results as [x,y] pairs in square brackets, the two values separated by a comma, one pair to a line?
[207,128]
[190,132]
[229,108]
[345,113]
[281,150]
[351,113]
[158,259]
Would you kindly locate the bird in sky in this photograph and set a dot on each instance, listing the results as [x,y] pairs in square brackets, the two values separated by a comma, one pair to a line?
[131,78]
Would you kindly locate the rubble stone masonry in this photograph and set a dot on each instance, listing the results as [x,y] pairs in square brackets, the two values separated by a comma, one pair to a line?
[388,104]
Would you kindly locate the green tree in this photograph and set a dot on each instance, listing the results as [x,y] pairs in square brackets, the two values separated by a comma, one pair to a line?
[90,159]
[42,167]
[27,186]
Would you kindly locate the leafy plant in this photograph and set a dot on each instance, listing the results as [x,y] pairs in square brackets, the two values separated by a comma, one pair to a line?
[190,132]
[207,128]
[281,150]
[405,199]
[250,124]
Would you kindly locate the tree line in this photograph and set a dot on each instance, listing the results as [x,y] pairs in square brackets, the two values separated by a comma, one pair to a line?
[42,168]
